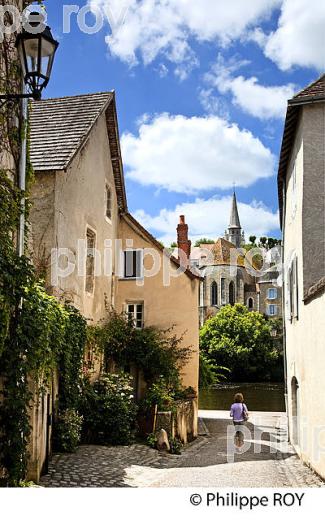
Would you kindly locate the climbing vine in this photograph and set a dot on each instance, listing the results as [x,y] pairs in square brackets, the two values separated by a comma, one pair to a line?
[38,334]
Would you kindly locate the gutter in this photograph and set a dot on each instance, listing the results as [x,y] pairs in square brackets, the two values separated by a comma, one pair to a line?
[306,100]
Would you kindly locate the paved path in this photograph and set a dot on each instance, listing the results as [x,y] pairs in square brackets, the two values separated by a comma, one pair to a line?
[268,461]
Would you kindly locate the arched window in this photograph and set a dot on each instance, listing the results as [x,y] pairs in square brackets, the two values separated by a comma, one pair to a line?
[250,304]
[223,291]
[232,295]
[214,294]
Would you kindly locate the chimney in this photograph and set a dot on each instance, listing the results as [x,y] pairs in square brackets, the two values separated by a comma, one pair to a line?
[183,242]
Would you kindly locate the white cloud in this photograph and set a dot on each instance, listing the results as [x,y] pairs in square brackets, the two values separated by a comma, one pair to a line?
[214,104]
[300,37]
[209,219]
[164,27]
[190,155]
[261,101]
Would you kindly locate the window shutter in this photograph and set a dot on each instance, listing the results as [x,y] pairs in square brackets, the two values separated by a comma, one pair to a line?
[288,296]
[139,263]
[296,288]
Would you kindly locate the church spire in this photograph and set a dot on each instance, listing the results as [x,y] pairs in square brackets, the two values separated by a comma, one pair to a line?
[234,216]
[234,233]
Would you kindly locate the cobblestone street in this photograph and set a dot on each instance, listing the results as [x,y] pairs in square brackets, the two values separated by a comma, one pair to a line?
[269,462]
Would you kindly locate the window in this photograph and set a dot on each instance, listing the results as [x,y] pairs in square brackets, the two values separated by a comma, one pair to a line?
[214,294]
[90,260]
[272,294]
[223,291]
[133,264]
[272,310]
[108,203]
[250,304]
[293,290]
[135,313]
[232,293]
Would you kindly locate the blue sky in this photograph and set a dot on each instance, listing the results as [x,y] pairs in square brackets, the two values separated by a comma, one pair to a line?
[201,90]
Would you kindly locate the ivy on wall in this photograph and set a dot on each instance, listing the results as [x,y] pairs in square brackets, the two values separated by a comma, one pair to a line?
[37,333]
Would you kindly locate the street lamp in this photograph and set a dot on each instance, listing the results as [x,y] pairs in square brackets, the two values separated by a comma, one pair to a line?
[36,53]
[36,50]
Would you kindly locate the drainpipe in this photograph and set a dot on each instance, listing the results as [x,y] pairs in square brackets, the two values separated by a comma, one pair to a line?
[22,179]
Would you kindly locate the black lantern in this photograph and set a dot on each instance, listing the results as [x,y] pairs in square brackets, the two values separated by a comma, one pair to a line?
[36,49]
[36,52]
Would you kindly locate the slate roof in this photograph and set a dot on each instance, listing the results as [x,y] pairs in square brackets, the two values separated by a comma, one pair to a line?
[60,127]
[234,215]
[314,93]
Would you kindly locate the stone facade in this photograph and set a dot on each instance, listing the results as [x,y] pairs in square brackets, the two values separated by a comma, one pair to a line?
[302,204]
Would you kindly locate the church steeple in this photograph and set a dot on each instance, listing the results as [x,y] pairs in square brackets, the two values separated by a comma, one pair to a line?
[234,216]
[234,233]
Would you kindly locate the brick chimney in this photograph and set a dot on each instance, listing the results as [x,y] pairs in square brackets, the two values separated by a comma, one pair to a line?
[182,237]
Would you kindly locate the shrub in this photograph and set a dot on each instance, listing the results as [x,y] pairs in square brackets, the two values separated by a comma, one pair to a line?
[152,440]
[109,410]
[154,351]
[159,394]
[175,446]
[68,431]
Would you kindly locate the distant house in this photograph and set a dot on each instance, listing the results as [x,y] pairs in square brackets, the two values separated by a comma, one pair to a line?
[84,241]
[301,180]
[226,278]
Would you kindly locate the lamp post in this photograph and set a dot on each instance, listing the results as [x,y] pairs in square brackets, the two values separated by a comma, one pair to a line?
[36,51]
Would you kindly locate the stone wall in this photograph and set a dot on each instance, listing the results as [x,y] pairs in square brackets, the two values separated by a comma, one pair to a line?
[216,273]
[183,424]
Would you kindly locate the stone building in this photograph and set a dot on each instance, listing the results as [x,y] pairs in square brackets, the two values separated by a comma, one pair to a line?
[84,241]
[10,125]
[301,180]
[228,276]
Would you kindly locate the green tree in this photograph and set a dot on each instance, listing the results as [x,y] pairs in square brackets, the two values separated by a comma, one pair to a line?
[209,373]
[252,240]
[203,241]
[241,341]
[263,241]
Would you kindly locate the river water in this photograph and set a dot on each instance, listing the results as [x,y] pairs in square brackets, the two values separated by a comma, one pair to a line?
[262,397]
